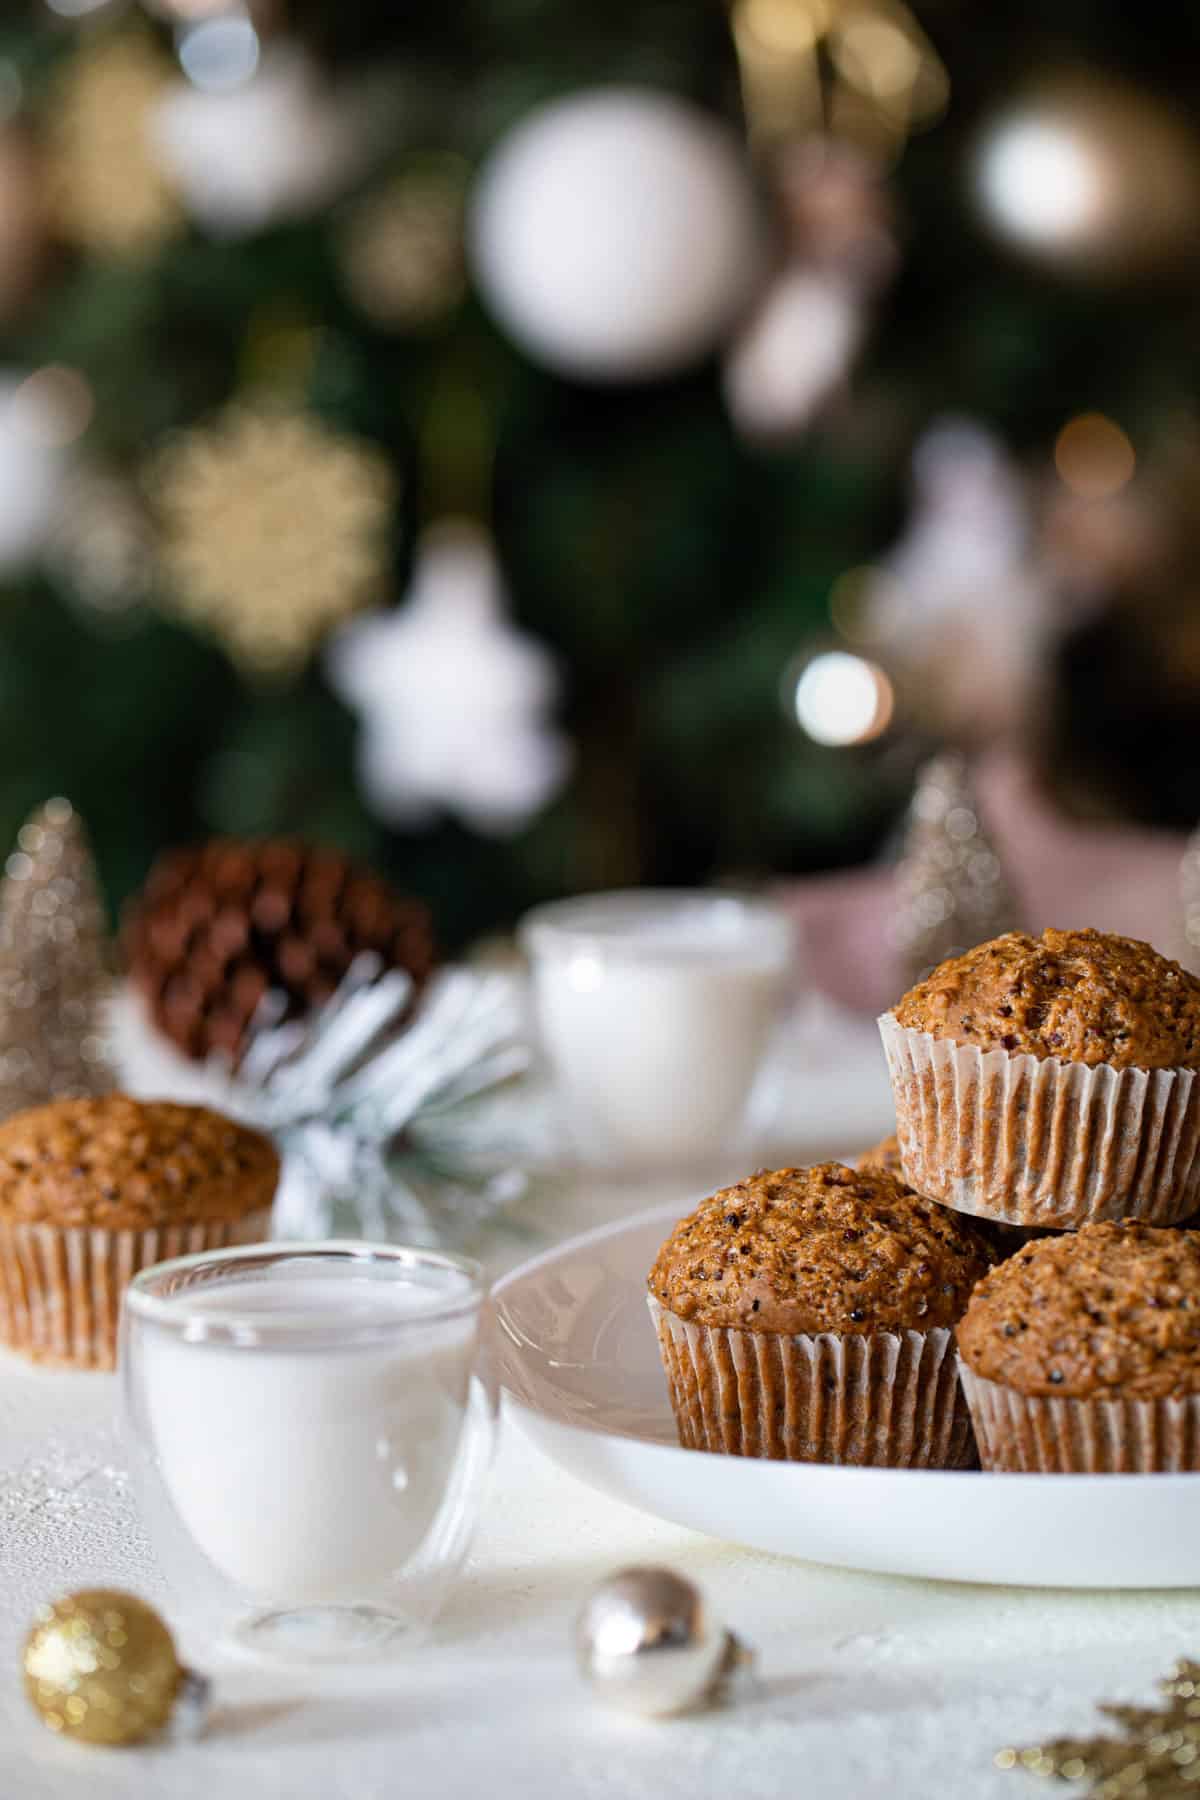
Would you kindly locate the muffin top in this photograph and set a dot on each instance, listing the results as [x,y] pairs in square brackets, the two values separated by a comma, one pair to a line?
[821,1249]
[129,1164]
[1083,996]
[885,1155]
[1105,1310]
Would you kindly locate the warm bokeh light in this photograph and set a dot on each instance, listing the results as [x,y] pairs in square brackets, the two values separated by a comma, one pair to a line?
[784,27]
[1094,457]
[843,699]
[1042,182]
[53,407]
[877,55]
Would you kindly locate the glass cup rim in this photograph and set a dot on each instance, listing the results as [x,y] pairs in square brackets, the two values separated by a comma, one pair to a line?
[251,1329]
[594,922]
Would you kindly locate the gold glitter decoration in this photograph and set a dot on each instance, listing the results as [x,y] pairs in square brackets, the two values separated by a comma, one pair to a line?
[54,961]
[1156,1757]
[100,1666]
[106,191]
[273,528]
[402,248]
[1189,895]
[951,892]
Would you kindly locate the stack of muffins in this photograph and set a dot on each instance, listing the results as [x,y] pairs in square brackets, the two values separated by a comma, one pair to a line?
[1008,1273]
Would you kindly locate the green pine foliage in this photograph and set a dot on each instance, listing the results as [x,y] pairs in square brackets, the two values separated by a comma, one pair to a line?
[674,570]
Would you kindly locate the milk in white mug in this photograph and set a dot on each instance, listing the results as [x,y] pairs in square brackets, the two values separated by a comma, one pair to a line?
[656,1009]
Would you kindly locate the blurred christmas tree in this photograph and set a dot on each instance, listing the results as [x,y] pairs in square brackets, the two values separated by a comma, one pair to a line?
[289,290]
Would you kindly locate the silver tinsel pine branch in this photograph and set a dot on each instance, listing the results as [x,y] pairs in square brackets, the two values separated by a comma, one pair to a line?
[372,1109]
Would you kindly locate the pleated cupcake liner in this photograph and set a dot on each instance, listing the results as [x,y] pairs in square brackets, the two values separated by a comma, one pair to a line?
[887,1399]
[1040,1142]
[1054,1435]
[60,1289]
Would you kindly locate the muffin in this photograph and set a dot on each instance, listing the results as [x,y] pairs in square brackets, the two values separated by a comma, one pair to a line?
[1081,1354]
[885,1155]
[807,1316]
[91,1190]
[1003,1240]
[1051,1081]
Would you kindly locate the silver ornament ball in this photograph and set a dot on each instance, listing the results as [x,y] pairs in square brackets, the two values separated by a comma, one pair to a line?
[647,1644]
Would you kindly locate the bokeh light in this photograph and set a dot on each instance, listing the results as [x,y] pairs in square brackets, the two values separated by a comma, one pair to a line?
[76,9]
[1042,182]
[53,407]
[784,27]
[219,54]
[1094,457]
[843,699]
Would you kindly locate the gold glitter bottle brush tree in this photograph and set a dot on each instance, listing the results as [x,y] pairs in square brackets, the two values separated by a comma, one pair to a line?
[951,888]
[380,1112]
[55,965]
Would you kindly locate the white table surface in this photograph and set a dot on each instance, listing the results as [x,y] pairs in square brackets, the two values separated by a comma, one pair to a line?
[869,1686]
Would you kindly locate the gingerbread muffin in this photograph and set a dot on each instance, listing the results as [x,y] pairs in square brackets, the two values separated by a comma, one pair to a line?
[1003,1240]
[806,1315]
[1081,1354]
[91,1190]
[885,1155]
[1051,1081]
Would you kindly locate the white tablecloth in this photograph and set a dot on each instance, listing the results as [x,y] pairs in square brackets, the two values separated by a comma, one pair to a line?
[869,1686]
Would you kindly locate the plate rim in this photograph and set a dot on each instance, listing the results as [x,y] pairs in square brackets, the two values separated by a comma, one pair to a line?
[828,1472]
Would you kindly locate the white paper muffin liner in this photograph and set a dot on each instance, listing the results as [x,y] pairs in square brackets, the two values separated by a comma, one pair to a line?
[1034,1141]
[889,1399]
[1049,1435]
[60,1289]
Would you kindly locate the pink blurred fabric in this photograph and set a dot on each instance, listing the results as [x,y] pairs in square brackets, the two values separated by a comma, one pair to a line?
[1067,874]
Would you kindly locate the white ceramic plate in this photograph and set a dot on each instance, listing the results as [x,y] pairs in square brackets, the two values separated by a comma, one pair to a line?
[579,1361]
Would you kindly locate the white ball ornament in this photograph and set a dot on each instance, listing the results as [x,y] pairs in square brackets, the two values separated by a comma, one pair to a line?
[615,234]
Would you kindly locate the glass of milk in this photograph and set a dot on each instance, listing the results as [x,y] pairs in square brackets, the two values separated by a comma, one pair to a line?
[655,1008]
[311,1426]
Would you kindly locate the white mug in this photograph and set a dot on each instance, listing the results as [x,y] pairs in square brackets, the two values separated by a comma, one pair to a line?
[655,1008]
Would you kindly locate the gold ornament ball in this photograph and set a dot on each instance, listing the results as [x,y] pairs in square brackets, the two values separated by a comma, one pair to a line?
[100,1666]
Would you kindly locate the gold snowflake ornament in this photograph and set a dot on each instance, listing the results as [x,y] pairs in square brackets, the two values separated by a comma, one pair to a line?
[1156,1756]
[274,527]
[107,190]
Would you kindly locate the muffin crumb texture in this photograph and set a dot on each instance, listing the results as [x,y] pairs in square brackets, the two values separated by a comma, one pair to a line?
[125,1164]
[1082,996]
[885,1155]
[1108,1311]
[820,1249]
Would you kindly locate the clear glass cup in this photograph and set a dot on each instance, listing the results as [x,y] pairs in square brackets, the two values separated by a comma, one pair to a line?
[310,1427]
[656,1008]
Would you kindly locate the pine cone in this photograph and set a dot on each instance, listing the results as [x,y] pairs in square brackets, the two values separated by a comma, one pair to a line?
[218,927]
